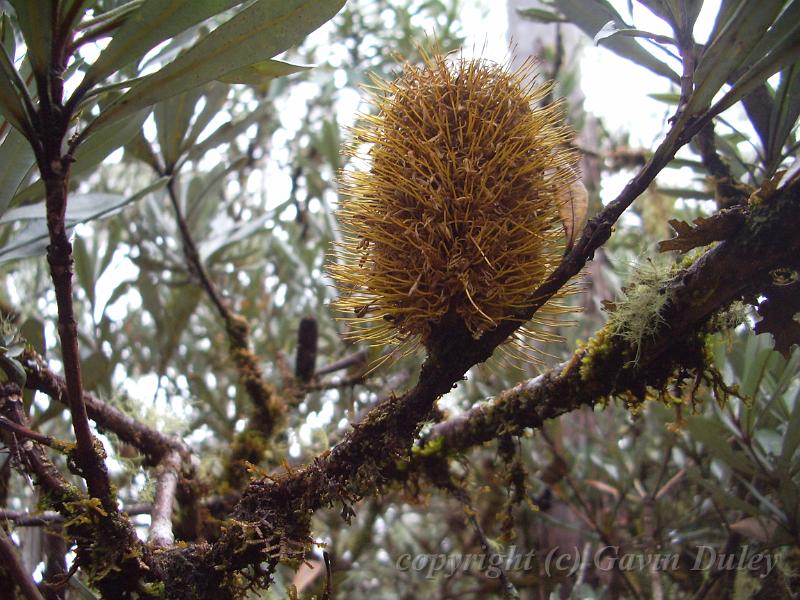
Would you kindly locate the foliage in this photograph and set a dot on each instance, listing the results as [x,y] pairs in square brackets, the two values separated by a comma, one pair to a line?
[183,155]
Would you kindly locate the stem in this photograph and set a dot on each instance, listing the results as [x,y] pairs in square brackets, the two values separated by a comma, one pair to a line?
[161,518]
[53,123]
[55,173]
[12,565]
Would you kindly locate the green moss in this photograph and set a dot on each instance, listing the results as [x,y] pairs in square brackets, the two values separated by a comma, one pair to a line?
[639,313]
[434,446]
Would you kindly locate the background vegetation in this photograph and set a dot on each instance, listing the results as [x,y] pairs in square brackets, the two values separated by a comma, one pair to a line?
[199,181]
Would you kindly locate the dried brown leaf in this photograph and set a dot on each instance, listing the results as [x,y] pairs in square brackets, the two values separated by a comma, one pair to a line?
[703,230]
[572,209]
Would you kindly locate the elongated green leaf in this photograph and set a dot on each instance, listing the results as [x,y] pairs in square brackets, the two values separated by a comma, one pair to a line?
[210,249]
[154,22]
[172,119]
[262,72]
[783,56]
[540,15]
[611,29]
[16,158]
[12,104]
[81,208]
[713,437]
[785,28]
[35,18]
[727,10]
[725,53]
[84,268]
[785,113]
[216,94]
[227,133]
[91,153]
[7,35]
[791,438]
[592,16]
[74,10]
[257,33]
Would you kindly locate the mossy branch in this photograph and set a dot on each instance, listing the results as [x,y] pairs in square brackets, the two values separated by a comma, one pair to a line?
[268,407]
[272,520]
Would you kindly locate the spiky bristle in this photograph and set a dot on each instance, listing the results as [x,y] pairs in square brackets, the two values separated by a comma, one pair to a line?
[458,212]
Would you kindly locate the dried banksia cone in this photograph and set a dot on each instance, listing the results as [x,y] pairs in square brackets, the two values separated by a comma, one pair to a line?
[457,215]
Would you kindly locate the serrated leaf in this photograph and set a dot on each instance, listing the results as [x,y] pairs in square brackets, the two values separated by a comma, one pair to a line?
[706,230]
[257,33]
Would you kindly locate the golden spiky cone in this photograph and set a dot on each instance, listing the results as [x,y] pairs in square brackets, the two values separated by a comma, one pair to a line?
[457,215]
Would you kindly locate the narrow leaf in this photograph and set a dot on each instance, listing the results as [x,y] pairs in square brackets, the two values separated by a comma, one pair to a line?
[16,158]
[611,29]
[154,22]
[725,53]
[81,208]
[12,105]
[261,31]
[35,18]
[592,16]
[540,15]
[261,72]
[786,109]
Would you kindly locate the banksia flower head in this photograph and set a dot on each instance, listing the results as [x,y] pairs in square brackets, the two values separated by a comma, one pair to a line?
[458,214]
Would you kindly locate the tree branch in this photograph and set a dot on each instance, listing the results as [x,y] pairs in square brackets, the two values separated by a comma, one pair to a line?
[161,516]
[755,249]
[268,406]
[272,521]
[12,564]
[152,443]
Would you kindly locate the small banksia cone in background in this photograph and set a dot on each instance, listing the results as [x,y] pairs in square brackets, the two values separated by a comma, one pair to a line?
[458,211]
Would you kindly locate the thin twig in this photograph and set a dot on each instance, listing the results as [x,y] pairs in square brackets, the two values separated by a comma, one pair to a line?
[152,443]
[161,517]
[588,517]
[268,406]
[21,431]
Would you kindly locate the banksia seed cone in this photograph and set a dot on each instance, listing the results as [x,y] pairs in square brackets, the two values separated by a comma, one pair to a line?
[458,214]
